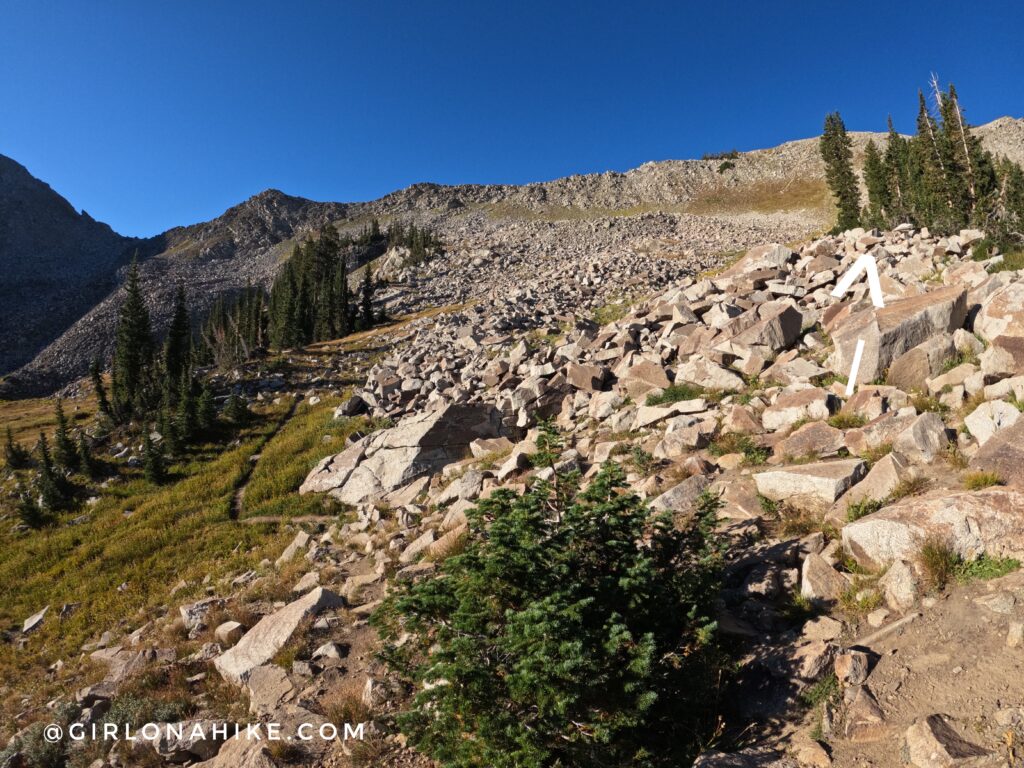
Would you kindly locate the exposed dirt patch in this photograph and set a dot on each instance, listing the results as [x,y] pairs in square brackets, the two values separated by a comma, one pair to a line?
[955,661]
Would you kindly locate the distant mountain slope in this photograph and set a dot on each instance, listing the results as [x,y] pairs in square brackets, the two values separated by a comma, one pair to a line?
[244,246]
[55,264]
[58,303]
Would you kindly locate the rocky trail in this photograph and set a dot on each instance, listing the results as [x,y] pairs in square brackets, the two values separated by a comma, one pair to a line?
[871,591]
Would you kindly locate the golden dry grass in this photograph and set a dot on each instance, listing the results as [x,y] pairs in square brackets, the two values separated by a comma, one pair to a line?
[769,196]
[27,418]
[118,563]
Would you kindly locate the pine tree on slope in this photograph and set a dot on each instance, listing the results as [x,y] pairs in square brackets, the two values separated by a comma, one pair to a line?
[178,344]
[876,180]
[133,353]
[837,152]
[64,450]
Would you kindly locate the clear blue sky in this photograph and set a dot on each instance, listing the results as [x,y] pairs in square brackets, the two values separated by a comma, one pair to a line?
[153,114]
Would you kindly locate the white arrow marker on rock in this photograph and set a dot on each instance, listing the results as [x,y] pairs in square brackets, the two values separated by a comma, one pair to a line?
[865,263]
[851,382]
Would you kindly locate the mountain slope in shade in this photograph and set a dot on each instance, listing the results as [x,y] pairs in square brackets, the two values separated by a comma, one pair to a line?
[55,264]
[242,247]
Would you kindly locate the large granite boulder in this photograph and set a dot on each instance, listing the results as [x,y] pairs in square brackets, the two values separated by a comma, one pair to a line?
[1002,313]
[419,445]
[1003,453]
[987,522]
[261,643]
[812,487]
[897,328]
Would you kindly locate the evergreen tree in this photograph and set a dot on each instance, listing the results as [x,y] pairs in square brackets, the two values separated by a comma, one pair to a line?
[64,450]
[976,175]
[15,456]
[167,426]
[342,299]
[1011,194]
[235,329]
[185,418]
[29,511]
[178,344]
[311,299]
[86,462]
[153,461]
[133,353]
[206,411]
[102,403]
[942,178]
[574,629]
[53,489]
[366,298]
[236,410]
[929,197]
[877,182]
[897,176]
[837,152]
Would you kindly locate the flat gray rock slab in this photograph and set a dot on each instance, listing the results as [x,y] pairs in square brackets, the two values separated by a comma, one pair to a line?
[973,523]
[261,643]
[814,487]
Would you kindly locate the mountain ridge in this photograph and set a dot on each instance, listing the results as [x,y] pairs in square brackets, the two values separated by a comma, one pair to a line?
[776,190]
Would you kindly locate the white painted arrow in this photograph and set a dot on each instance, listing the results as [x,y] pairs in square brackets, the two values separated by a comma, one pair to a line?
[865,263]
[851,382]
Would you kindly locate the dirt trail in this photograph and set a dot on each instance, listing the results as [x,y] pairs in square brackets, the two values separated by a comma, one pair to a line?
[955,660]
[238,500]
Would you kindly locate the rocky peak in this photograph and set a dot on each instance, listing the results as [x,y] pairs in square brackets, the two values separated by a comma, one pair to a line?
[56,263]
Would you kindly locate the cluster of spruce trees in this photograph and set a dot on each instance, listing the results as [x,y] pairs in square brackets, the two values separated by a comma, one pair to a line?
[51,490]
[150,383]
[311,299]
[154,382]
[235,328]
[940,177]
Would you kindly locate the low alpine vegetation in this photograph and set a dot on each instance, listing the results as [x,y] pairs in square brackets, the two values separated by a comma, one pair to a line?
[573,629]
[675,393]
[753,454]
[975,481]
[941,565]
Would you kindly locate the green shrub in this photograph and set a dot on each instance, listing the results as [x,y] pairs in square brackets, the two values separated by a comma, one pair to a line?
[960,358]
[825,690]
[732,154]
[862,508]
[912,486]
[574,629]
[675,393]
[753,454]
[843,420]
[236,410]
[938,562]
[1010,263]
[985,568]
[872,455]
[37,750]
[982,249]
[925,403]
[975,481]
[940,565]
[138,710]
[642,461]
